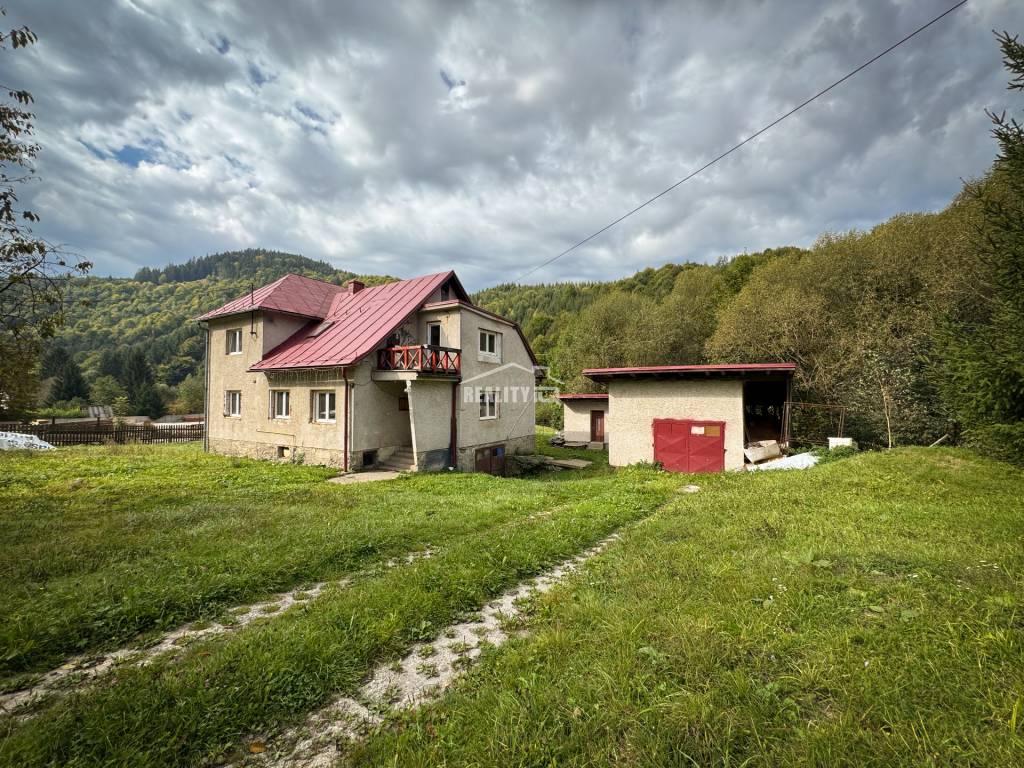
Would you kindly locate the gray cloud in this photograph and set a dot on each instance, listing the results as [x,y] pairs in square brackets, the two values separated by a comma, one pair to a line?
[410,137]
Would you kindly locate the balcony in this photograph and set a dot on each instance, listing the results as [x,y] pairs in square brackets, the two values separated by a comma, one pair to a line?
[423,358]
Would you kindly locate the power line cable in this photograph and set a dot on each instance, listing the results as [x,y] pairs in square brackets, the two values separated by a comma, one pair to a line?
[747,140]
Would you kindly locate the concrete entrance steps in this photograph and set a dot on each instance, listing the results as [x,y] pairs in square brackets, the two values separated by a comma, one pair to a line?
[402,460]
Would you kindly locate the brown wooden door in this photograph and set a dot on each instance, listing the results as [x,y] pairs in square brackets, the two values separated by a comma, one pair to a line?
[597,426]
[491,460]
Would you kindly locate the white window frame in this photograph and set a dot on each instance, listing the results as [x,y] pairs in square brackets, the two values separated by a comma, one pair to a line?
[277,398]
[488,346]
[489,405]
[233,403]
[331,397]
[440,336]
[233,334]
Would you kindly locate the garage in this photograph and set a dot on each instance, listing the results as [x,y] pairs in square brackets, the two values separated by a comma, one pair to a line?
[692,418]
[689,446]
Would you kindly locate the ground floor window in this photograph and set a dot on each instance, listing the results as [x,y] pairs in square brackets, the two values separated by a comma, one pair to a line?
[324,406]
[233,403]
[489,405]
[280,404]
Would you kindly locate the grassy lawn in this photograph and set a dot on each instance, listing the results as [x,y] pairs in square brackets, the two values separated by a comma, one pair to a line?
[102,544]
[487,533]
[868,611]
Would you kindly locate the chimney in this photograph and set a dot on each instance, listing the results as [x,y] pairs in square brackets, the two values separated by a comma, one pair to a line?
[354,286]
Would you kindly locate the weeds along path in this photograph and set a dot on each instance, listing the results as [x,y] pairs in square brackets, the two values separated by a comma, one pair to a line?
[272,674]
[82,670]
[425,672]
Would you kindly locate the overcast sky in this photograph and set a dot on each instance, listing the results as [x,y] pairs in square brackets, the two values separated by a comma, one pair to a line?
[413,137]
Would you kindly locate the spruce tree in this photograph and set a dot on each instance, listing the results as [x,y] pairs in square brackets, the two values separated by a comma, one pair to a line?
[983,357]
[70,384]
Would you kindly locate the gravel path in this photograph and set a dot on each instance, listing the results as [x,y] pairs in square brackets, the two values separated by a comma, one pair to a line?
[426,671]
[81,670]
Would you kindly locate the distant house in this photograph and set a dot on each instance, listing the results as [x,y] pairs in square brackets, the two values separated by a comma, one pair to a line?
[584,418]
[407,375]
[693,418]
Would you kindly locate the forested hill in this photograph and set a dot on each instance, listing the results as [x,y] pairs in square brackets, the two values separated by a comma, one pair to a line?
[548,312]
[248,264]
[155,310]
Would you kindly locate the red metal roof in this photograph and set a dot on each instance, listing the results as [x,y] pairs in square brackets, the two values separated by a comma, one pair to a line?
[721,369]
[360,322]
[294,294]
[582,396]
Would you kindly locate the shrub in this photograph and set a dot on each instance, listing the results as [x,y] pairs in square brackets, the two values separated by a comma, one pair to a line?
[549,415]
[998,441]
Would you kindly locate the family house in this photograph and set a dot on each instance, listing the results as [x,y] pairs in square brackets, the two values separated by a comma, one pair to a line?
[408,375]
[693,418]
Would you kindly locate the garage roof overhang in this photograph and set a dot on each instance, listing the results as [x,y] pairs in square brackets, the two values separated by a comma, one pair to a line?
[748,371]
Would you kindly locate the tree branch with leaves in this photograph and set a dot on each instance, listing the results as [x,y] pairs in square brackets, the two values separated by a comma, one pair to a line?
[34,273]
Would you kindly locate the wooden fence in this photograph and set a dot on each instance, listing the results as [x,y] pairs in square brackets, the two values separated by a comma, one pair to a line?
[103,433]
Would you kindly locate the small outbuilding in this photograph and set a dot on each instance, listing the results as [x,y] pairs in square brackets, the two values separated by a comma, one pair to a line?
[693,418]
[584,418]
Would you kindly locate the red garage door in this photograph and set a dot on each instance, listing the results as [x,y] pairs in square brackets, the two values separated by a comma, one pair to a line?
[690,446]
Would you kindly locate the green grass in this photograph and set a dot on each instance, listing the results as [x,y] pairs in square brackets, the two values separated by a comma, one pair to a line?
[487,535]
[102,544]
[866,612]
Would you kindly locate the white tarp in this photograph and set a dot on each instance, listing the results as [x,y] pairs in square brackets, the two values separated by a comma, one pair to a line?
[796,461]
[15,441]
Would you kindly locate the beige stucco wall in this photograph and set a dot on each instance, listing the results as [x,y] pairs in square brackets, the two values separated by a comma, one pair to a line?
[430,404]
[450,326]
[512,376]
[255,433]
[376,423]
[633,406]
[576,418]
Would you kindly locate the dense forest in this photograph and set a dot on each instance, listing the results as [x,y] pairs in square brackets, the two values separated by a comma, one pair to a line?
[914,326]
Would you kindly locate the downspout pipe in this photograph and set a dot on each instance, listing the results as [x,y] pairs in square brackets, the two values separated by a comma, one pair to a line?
[454,436]
[206,392]
[344,376]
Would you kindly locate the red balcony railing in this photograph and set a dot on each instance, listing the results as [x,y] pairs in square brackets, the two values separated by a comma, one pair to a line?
[422,359]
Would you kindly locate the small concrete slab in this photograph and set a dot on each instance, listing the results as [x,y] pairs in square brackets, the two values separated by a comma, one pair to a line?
[570,463]
[364,477]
